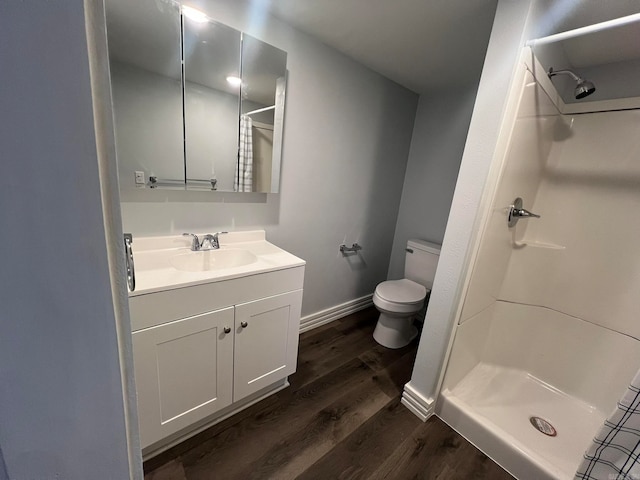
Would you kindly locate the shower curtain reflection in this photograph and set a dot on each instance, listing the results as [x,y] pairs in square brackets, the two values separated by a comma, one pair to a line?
[244,167]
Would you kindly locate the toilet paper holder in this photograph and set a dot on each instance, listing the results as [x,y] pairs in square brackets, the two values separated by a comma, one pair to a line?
[352,249]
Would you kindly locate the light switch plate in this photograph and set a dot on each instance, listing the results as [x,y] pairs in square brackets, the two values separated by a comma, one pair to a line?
[140,178]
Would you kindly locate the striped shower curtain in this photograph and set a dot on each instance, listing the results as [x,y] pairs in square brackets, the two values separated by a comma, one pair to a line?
[614,452]
[244,168]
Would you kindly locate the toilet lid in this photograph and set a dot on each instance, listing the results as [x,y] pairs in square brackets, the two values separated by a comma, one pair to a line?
[401,291]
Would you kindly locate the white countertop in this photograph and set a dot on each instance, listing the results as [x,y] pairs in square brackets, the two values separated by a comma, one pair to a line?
[155,272]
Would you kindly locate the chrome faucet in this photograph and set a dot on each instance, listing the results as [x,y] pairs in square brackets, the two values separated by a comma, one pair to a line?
[209,242]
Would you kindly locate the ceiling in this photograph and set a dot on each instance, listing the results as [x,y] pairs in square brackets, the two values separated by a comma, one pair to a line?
[426,44]
[420,44]
[145,33]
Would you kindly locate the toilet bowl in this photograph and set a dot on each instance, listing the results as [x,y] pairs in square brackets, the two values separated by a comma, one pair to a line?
[399,301]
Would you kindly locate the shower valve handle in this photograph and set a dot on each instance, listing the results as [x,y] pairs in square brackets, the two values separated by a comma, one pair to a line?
[516,212]
[524,213]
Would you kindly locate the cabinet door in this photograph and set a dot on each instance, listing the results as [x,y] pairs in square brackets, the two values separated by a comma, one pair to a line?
[183,372]
[266,342]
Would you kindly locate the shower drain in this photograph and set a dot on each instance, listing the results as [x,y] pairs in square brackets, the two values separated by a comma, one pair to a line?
[543,426]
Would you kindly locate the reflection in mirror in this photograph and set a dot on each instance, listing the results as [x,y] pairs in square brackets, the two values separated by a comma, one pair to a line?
[145,63]
[264,69]
[196,103]
[212,90]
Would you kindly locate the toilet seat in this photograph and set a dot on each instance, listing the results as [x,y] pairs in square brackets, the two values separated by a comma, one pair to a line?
[399,296]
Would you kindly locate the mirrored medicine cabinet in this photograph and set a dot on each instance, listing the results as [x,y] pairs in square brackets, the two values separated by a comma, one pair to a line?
[197,105]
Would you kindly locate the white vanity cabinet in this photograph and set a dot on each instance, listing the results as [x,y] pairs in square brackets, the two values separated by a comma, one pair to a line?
[266,342]
[184,372]
[205,351]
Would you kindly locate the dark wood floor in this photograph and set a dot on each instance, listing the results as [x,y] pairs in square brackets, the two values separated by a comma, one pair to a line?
[341,418]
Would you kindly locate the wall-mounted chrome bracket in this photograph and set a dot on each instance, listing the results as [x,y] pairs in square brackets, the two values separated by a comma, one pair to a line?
[352,249]
[516,212]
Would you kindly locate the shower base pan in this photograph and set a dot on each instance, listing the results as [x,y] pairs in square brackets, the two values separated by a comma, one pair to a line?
[493,408]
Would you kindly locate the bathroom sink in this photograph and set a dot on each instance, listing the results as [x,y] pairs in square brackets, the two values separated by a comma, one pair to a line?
[212,260]
[167,262]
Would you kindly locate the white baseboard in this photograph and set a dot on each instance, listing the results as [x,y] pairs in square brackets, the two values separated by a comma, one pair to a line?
[421,406]
[334,313]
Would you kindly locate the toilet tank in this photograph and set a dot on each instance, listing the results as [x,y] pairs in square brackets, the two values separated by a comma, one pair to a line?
[421,260]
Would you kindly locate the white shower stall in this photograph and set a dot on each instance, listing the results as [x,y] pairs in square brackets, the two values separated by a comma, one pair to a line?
[548,334]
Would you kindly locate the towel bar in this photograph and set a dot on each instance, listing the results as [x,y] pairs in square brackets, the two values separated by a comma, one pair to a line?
[155,182]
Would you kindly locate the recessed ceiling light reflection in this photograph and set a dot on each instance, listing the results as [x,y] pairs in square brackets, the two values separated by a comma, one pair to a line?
[194,14]
[234,81]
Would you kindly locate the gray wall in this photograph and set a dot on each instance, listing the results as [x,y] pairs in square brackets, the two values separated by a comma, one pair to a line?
[61,407]
[148,124]
[4,475]
[346,141]
[439,135]
[148,117]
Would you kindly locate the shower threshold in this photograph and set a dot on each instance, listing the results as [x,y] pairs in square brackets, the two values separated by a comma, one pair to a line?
[492,407]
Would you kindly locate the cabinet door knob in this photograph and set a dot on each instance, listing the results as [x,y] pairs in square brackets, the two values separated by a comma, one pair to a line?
[244,324]
[227,330]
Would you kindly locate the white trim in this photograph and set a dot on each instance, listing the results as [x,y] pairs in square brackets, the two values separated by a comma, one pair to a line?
[334,313]
[95,27]
[421,406]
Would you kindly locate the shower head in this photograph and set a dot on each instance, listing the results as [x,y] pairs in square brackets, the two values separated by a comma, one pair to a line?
[583,87]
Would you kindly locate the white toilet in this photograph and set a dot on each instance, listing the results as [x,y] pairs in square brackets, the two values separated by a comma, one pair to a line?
[399,301]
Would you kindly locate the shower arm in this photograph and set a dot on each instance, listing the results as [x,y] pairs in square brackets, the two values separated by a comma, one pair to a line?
[552,73]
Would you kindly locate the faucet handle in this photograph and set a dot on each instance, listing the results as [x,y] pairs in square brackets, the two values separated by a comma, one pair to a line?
[215,241]
[195,242]
[209,241]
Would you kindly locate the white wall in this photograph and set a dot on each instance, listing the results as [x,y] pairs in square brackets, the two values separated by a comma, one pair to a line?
[61,413]
[585,198]
[439,135]
[531,138]
[346,140]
